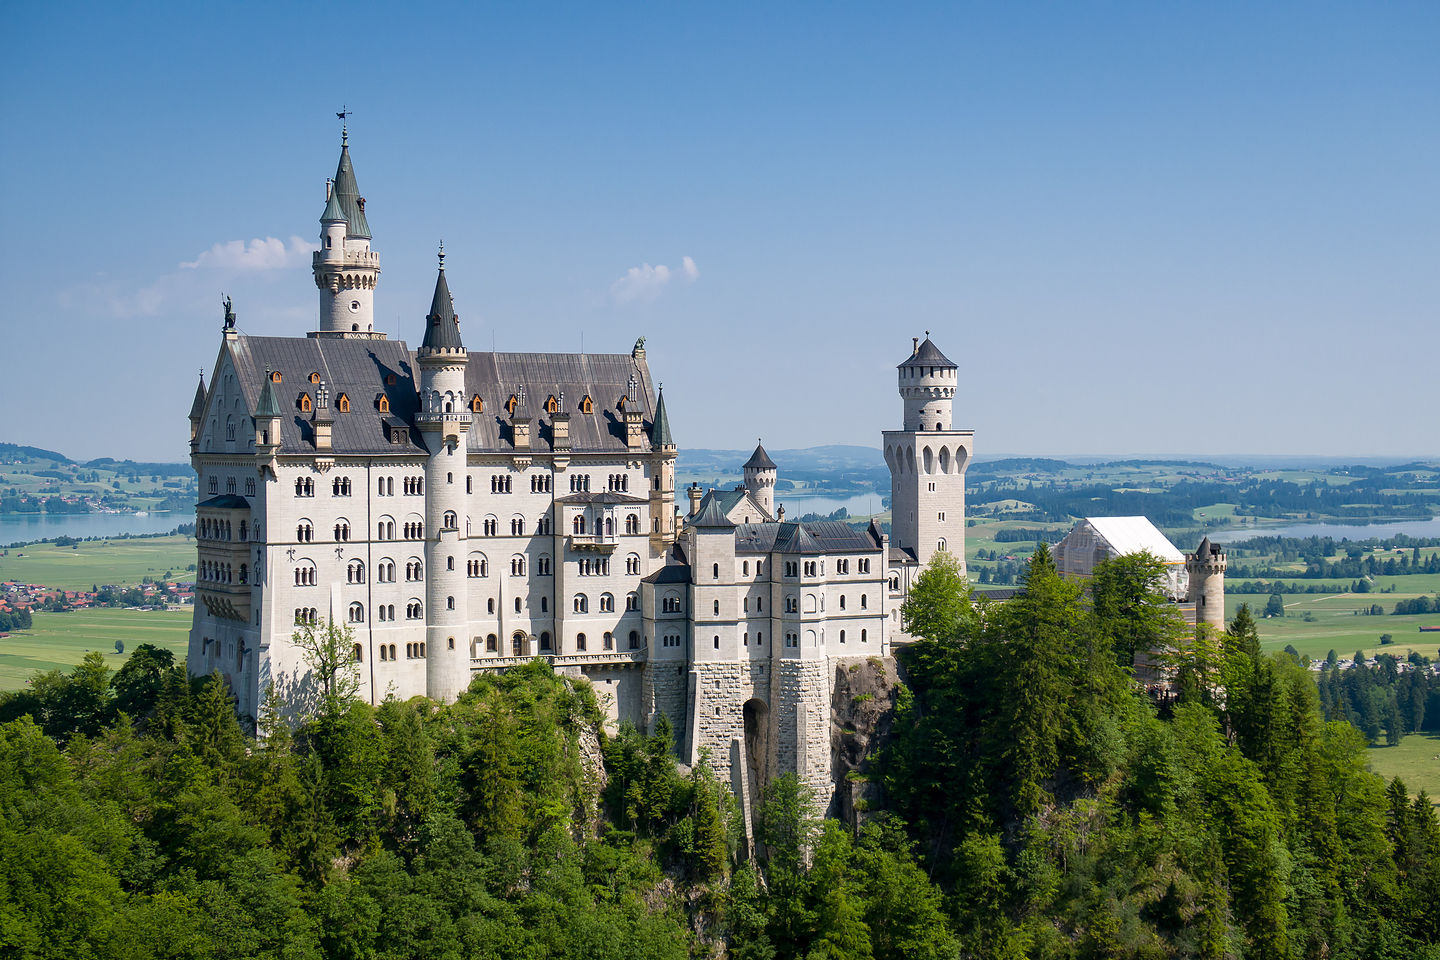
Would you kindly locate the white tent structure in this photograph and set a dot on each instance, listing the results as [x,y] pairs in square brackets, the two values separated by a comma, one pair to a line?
[1102,538]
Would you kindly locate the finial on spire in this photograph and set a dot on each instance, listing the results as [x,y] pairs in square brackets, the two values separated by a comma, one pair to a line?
[442,254]
[344,126]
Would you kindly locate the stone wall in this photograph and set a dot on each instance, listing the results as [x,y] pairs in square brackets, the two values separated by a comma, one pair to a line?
[801,723]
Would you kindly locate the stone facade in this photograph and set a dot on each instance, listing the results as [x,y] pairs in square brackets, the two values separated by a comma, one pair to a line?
[463,512]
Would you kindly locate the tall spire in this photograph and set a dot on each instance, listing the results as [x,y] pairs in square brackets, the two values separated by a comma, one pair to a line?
[442,327]
[347,193]
[197,409]
[660,432]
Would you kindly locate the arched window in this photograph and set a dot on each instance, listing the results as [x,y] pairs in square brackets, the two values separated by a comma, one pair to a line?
[544,604]
[634,640]
[304,531]
[551,404]
[842,601]
[476,404]
[357,613]
[715,608]
[491,526]
[451,521]
[862,636]
[303,402]
[275,376]
[517,565]
[449,603]
[492,643]
[477,566]
[355,572]
[608,641]
[607,603]
[586,404]
[715,571]
[863,602]
[357,653]
[632,524]
[343,404]
[632,601]
[517,605]
[578,525]
[842,636]
[632,564]
[580,641]
[382,403]
[582,603]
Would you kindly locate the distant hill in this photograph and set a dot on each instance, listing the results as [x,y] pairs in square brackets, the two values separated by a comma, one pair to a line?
[1022,465]
[14,451]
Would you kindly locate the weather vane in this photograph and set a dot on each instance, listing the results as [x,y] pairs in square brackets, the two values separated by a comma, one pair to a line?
[344,112]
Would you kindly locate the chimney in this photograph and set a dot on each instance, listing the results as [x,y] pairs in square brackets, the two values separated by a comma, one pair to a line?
[695,495]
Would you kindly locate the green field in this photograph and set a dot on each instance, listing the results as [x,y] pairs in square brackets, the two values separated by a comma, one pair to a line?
[62,640]
[90,562]
[1415,759]
[1335,625]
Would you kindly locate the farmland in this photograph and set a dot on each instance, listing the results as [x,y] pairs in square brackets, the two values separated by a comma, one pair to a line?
[82,565]
[61,640]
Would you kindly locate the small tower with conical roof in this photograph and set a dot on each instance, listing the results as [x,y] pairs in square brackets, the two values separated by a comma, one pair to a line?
[760,476]
[662,491]
[444,421]
[1206,571]
[197,413]
[928,458]
[346,269]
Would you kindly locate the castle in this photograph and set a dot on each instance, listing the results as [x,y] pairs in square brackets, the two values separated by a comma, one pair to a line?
[464,512]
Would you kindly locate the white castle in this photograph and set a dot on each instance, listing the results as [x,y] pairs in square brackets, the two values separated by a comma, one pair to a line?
[465,512]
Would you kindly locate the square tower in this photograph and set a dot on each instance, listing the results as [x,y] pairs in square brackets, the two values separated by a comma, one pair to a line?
[927,459]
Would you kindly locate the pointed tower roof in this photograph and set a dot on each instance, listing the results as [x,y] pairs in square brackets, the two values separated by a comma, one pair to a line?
[711,515]
[442,327]
[1205,549]
[759,460]
[197,409]
[268,405]
[347,195]
[927,355]
[660,432]
[332,208]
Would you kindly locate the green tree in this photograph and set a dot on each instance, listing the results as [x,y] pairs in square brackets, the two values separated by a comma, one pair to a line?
[328,651]
[1275,606]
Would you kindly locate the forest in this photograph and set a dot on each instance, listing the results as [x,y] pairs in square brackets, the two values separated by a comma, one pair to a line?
[1038,802]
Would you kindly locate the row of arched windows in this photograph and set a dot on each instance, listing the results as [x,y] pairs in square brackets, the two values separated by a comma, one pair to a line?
[211,528]
[214,572]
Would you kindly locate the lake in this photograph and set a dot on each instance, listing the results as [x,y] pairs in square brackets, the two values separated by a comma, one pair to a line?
[859,505]
[44,526]
[1350,531]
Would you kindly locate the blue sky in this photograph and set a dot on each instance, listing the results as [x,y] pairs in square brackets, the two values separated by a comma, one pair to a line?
[1139,228]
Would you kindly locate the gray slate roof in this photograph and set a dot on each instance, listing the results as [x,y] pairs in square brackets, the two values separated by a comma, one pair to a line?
[354,368]
[226,501]
[358,368]
[347,194]
[759,460]
[197,409]
[332,209]
[660,435]
[269,404]
[710,515]
[442,327]
[927,355]
[604,496]
[821,536]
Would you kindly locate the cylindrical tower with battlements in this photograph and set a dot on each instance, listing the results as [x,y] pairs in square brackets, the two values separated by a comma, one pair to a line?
[1206,570]
[346,269]
[444,419]
[760,476]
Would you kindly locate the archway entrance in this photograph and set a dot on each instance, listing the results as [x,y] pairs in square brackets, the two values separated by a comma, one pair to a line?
[519,645]
[757,748]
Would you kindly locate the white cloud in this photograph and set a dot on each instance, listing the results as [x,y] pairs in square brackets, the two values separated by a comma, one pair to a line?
[646,282]
[258,254]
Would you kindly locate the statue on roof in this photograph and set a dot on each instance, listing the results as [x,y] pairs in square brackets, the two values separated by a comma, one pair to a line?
[229,313]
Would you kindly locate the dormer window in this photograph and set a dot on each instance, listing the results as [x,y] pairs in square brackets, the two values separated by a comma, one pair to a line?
[274,376]
[314,377]
[382,403]
[476,404]
[390,379]
[552,405]
[623,401]
[587,405]
[511,404]
[304,403]
[343,404]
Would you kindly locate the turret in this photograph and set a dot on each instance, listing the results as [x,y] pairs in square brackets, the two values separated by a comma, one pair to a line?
[444,420]
[346,269]
[1206,571]
[267,418]
[197,412]
[927,382]
[760,476]
[662,492]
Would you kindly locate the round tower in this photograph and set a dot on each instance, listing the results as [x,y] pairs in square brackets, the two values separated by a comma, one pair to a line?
[760,476]
[1206,571]
[444,420]
[346,269]
[927,383]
